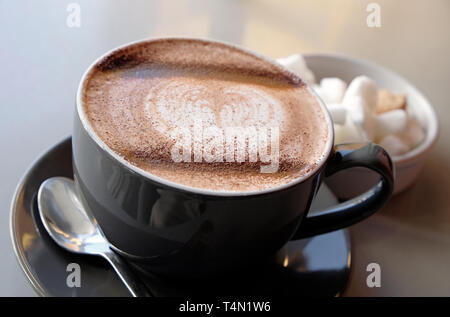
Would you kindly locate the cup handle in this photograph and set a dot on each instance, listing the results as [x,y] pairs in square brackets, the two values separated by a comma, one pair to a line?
[345,156]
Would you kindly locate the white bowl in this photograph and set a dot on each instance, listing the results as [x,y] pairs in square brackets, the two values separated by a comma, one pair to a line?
[351,182]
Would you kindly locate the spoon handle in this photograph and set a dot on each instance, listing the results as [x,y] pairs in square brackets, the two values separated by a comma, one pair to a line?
[128,277]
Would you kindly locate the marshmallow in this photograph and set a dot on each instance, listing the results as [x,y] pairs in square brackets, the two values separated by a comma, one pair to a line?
[347,133]
[391,122]
[359,113]
[354,110]
[296,64]
[414,134]
[317,89]
[394,145]
[388,101]
[338,113]
[332,89]
[365,88]
[418,116]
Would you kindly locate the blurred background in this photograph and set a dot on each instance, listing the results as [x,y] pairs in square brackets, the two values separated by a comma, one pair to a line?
[43,57]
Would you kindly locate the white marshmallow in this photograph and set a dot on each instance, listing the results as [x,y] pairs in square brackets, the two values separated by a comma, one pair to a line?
[365,88]
[332,89]
[347,133]
[338,113]
[296,64]
[394,145]
[358,112]
[317,89]
[414,134]
[391,122]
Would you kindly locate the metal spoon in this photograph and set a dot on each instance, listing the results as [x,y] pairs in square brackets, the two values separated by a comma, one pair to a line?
[72,228]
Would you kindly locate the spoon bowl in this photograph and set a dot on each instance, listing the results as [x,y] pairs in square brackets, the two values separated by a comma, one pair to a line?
[65,219]
[73,229]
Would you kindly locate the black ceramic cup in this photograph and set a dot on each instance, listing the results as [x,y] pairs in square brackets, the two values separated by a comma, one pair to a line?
[177,230]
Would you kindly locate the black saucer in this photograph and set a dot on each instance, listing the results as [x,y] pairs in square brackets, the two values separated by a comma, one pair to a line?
[315,267]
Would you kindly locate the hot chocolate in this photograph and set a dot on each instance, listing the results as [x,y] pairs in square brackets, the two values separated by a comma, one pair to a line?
[205,115]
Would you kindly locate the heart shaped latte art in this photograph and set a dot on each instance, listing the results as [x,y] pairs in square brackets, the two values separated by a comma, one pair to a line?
[175,104]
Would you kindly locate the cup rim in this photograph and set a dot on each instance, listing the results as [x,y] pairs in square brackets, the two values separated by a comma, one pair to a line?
[208,192]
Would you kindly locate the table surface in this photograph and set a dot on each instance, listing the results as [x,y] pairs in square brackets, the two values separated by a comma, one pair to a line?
[43,60]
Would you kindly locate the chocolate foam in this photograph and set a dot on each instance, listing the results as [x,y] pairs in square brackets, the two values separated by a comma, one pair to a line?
[138,98]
